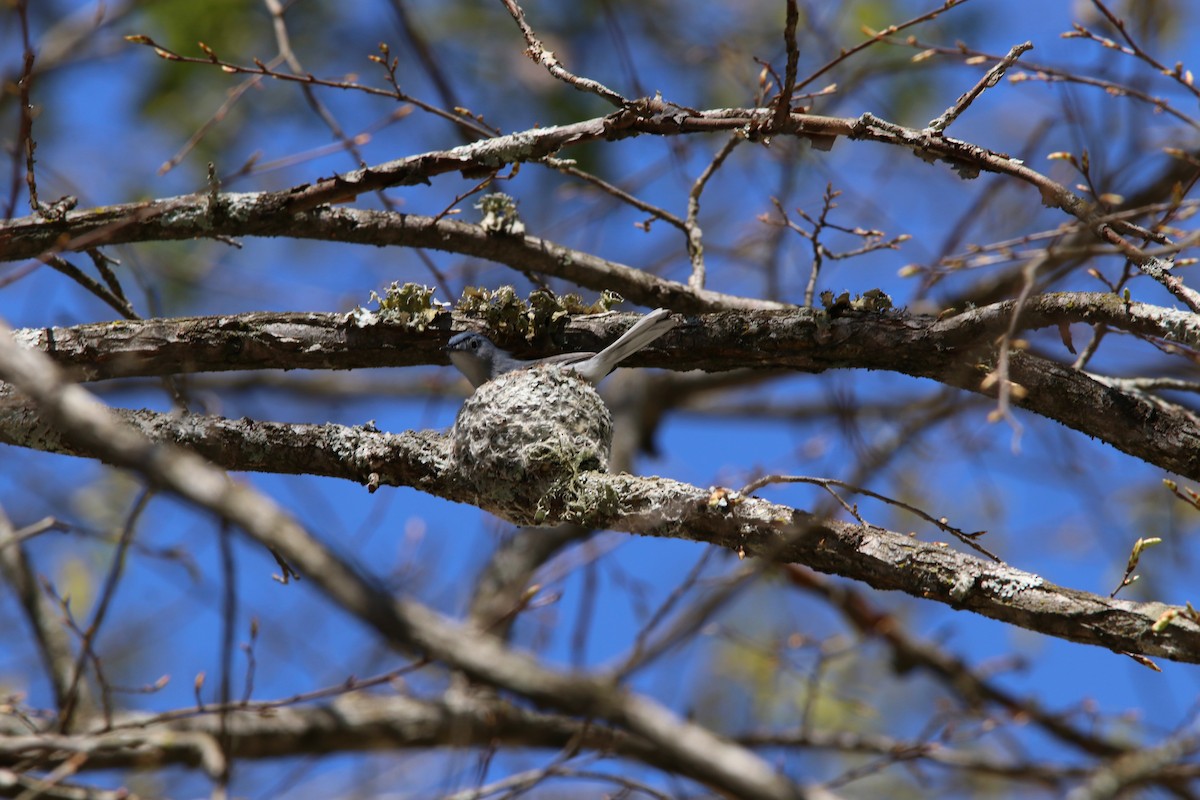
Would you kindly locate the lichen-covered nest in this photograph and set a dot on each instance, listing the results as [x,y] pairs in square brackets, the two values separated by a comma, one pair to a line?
[527,434]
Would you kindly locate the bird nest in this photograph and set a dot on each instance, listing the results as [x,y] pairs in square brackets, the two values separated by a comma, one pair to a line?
[525,435]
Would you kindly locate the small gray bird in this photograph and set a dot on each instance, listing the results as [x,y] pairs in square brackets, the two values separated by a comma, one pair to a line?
[480,360]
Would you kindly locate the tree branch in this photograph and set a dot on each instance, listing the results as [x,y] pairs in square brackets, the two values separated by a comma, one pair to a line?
[280,213]
[957,351]
[53,640]
[187,217]
[661,507]
[356,721]
[82,420]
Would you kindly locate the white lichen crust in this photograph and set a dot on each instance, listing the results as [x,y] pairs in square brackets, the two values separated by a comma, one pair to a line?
[527,434]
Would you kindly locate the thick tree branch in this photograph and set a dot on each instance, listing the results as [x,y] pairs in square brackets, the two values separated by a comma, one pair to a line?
[316,340]
[354,722]
[661,507]
[358,723]
[191,217]
[282,212]
[957,351]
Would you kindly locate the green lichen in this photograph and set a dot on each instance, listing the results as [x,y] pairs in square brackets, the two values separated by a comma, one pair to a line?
[874,300]
[409,304]
[579,503]
[500,215]
[506,313]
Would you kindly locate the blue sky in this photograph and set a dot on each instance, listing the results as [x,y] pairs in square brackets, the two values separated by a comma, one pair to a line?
[1054,502]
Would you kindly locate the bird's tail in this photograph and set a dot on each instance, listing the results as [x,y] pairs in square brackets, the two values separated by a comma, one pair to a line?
[643,332]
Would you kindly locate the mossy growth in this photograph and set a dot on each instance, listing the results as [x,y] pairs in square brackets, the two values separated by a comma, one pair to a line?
[875,300]
[504,312]
[500,216]
[409,304]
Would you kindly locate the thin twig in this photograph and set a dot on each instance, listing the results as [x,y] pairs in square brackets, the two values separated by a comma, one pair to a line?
[1048,74]
[1005,389]
[1178,74]
[968,539]
[990,79]
[120,305]
[568,167]
[421,48]
[232,96]
[879,36]
[25,143]
[643,653]
[107,592]
[262,69]
[538,53]
[53,642]
[229,606]
[783,101]
[695,243]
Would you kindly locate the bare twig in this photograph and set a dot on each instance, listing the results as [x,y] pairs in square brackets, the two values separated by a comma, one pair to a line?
[1177,73]
[783,101]
[878,36]
[695,237]
[111,298]
[107,592]
[989,79]
[262,69]
[998,378]
[232,96]
[1049,74]
[53,643]
[25,144]
[948,669]
[568,167]
[873,239]
[229,610]
[1135,555]
[538,53]
[969,539]
[425,55]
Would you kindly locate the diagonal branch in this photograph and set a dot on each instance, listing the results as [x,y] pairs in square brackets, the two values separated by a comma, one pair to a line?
[540,55]
[53,641]
[254,215]
[275,213]
[989,79]
[78,417]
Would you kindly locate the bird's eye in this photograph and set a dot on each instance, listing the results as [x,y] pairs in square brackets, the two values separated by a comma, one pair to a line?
[474,344]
